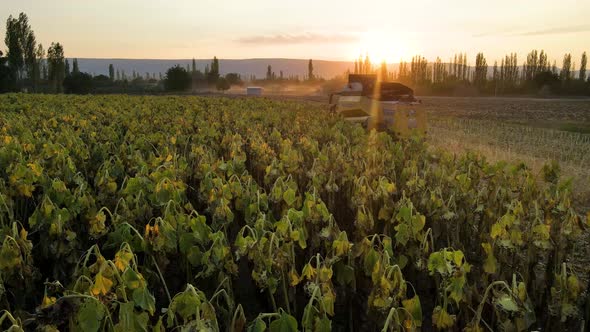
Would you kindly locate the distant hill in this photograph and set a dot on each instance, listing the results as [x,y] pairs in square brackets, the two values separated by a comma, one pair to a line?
[245,67]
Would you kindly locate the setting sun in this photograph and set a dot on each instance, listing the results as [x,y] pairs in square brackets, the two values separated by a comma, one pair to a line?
[380,46]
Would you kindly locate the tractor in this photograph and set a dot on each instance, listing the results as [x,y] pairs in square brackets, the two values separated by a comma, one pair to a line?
[383,106]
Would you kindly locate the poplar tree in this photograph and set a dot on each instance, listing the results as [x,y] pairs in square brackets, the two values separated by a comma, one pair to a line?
[193,75]
[367,66]
[543,63]
[509,71]
[419,70]
[481,70]
[403,74]
[414,69]
[75,68]
[15,54]
[360,62]
[465,67]
[565,74]
[437,72]
[111,72]
[531,66]
[310,75]
[67,67]
[213,73]
[31,57]
[514,68]
[495,76]
[56,64]
[383,71]
[583,61]
[21,43]
[504,71]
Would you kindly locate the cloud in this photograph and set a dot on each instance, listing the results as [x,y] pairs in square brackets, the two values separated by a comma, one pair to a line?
[486,34]
[558,30]
[305,38]
[550,31]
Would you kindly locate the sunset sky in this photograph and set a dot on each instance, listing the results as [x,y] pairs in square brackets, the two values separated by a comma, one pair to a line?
[320,29]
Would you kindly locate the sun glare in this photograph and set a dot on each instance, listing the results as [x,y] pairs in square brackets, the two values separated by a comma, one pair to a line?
[380,47]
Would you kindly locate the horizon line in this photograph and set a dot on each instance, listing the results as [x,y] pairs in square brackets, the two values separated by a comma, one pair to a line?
[218,58]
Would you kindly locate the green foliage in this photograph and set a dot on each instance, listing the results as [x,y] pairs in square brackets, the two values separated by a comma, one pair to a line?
[284,323]
[7,76]
[222,84]
[56,66]
[233,78]
[90,315]
[177,79]
[213,73]
[78,83]
[20,40]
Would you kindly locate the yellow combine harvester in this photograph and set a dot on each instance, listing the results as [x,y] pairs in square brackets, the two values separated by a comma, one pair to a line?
[384,106]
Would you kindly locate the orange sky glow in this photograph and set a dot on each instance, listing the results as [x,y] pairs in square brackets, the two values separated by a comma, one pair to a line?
[330,30]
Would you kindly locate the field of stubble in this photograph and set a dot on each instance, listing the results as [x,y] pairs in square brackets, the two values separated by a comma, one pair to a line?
[533,131]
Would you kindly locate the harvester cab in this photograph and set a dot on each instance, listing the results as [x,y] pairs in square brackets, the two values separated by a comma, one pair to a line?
[384,106]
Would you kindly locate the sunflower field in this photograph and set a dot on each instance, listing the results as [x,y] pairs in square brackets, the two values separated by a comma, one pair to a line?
[136,213]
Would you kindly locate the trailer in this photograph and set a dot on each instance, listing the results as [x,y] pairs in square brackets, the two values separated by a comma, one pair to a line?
[254,91]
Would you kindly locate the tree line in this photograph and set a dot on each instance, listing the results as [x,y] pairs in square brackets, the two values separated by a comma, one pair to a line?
[26,64]
[27,67]
[534,75]
[178,78]
[272,77]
